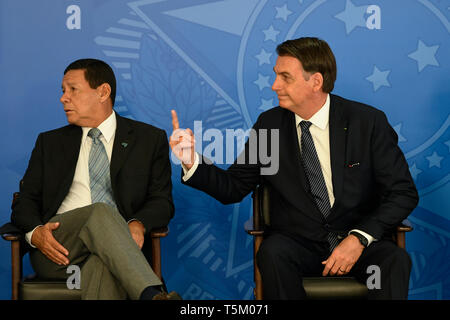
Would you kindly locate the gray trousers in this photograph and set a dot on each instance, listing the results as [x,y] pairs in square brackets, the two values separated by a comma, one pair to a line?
[99,242]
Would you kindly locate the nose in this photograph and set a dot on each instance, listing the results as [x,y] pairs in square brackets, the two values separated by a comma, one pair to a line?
[276,84]
[64,98]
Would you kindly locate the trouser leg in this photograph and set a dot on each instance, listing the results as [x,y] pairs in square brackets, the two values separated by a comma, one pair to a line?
[283,262]
[98,229]
[394,265]
[98,282]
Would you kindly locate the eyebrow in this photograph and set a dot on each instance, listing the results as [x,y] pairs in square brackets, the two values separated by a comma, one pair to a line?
[69,83]
[285,73]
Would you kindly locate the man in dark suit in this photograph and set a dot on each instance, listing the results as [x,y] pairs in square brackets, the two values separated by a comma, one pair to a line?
[341,187]
[94,189]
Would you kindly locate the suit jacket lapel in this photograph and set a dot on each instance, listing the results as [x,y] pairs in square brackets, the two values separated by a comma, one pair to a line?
[338,143]
[70,146]
[71,143]
[123,143]
[295,183]
[293,141]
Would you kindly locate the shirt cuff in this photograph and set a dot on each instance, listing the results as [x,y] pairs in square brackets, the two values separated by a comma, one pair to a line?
[191,171]
[29,235]
[369,238]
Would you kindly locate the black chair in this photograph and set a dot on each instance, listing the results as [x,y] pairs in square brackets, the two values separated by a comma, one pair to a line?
[33,288]
[315,287]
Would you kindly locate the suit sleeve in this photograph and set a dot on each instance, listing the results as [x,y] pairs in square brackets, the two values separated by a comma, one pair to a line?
[394,184]
[158,208]
[26,213]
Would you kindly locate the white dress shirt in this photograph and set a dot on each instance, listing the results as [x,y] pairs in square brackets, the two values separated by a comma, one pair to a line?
[320,132]
[79,194]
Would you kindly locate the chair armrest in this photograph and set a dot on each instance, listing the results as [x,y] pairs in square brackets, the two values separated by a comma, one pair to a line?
[10,232]
[405,226]
[248,226]
[12,236]
[159,232]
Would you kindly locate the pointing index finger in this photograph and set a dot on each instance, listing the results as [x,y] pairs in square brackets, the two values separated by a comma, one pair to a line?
[175,122]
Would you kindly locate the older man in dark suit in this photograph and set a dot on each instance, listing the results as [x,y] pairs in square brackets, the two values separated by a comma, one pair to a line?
[341,187]
[93,189]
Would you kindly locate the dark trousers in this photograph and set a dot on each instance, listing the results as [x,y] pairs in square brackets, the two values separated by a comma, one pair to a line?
[284,261]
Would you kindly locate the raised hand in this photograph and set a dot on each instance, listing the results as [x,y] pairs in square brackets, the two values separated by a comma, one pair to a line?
[182,142]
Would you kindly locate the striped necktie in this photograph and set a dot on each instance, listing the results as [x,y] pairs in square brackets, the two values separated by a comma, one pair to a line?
[317,185]
[99,176]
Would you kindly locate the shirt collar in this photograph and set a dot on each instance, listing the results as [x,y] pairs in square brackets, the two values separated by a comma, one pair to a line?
[320,118]
[107,127]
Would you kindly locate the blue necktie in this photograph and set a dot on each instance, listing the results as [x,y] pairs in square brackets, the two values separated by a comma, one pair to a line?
[316,181]
[99,176]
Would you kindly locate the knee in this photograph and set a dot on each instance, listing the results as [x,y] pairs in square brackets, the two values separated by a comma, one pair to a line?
[101,210]
[268,253]
[403,259]
[400,260]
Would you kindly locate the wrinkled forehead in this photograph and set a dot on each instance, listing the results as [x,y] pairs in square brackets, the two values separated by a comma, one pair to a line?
[288,64]
[74,76]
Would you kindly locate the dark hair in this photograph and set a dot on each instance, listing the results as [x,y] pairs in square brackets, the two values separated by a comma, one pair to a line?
[96,72]
[315,56]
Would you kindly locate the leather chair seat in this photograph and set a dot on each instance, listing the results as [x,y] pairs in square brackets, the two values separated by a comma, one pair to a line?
[334,288]
[31,289]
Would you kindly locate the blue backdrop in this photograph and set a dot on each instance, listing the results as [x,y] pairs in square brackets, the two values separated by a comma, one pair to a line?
[212,61]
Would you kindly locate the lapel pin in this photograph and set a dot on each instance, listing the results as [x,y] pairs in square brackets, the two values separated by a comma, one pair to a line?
[345,129]
[124,144]
[353,165]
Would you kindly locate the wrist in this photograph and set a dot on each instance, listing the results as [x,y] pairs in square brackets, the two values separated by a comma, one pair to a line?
[362,240]
[136,225]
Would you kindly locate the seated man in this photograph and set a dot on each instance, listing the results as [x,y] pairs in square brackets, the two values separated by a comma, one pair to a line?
[341,186]
[93,189]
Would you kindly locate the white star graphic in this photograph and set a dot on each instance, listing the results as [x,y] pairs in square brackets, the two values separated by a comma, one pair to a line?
[263,57]
[266,104]
[434,160]
[283,12]
[271,34]
[415,171]
[262,82]
[448,145]
[424,55]
[397,129]
[352,16]
[379,78]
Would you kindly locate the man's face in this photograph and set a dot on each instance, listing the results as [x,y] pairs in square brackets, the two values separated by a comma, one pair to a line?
[81,103]
[292,88]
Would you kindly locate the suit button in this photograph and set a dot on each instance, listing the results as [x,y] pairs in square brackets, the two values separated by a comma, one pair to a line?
[326,225]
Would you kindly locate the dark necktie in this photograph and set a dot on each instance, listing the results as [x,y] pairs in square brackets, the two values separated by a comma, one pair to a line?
[99,176]
[313,170]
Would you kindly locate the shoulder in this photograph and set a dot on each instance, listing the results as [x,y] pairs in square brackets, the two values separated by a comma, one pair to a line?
[61,132]
[354,109]
[274,117]
[140,127]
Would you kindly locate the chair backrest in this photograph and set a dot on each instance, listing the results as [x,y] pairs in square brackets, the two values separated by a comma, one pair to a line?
[261,206]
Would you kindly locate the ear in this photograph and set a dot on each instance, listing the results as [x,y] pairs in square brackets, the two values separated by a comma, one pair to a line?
[104,91]
[317,81]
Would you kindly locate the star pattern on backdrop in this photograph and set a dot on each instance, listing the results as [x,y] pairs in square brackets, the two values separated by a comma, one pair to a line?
[424,55]
[352,16]
[379,78]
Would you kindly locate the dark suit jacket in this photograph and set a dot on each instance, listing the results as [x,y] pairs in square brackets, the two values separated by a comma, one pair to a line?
[373,196]
[140,175]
